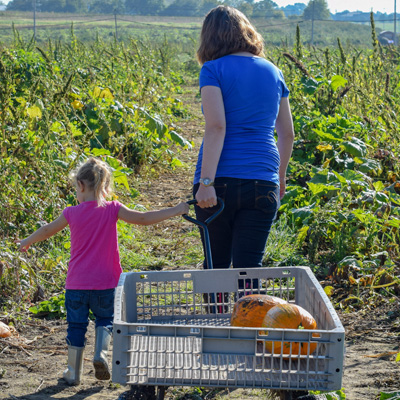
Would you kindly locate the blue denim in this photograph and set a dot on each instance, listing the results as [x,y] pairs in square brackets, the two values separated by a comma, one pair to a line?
[78,303]
[239,234]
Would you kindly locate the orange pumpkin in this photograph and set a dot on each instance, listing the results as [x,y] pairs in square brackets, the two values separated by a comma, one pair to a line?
[289,316]
[5,331]
[250,310]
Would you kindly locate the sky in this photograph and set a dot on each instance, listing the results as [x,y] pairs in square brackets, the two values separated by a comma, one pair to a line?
[385,6]
[351,5]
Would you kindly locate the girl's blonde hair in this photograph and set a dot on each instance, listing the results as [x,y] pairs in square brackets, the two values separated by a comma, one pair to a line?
[97,176]
[225,31]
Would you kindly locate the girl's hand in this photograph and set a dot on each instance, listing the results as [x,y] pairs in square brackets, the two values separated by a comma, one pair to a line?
[23,244]
[206,196]
[182,208]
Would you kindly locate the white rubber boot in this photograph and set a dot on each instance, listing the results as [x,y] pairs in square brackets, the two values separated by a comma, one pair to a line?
[102,341]
[73,374]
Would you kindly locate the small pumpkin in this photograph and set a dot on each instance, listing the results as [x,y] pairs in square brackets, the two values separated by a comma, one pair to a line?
[249,311]
[5,331]
[289,316]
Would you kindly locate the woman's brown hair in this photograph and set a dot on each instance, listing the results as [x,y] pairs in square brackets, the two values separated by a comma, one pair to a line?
[225,31]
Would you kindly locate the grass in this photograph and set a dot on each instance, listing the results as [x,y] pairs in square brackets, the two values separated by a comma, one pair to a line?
[281,249]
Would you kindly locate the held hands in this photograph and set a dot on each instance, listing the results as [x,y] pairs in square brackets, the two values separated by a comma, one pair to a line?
[182,208]
[206,196]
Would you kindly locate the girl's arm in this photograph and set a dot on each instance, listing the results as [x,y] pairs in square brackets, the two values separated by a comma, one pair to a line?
[151,217]
[285,131]
[43,233]
[214,136]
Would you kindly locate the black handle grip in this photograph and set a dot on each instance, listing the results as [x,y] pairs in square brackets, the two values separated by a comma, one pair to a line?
[209,219]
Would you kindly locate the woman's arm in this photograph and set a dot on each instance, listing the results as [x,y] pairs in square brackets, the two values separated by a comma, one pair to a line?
[43,233]
[214,136]
[151,217]
[285,131]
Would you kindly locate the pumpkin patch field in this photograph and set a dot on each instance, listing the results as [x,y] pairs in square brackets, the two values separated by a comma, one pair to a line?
[136,105]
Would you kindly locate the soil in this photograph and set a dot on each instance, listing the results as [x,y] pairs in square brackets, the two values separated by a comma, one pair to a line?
[33,359]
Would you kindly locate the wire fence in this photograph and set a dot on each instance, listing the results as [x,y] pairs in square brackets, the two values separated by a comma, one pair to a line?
[114,22]
[45,21]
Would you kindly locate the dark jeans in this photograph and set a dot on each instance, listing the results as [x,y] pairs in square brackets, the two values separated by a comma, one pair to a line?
[240,233]
[78,303]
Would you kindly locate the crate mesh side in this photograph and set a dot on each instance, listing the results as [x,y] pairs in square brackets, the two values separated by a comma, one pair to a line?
[156,301]
[160,351]
[180,361]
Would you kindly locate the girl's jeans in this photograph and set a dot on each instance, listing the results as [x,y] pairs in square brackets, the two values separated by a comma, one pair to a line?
[239,234]
[78,303]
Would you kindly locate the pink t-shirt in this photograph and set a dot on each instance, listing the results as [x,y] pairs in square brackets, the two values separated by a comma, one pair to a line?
[94,263]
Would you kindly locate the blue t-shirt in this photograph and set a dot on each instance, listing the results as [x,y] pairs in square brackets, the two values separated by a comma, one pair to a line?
[252,89]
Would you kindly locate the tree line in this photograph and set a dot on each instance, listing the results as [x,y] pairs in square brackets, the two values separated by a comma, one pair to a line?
[317,9]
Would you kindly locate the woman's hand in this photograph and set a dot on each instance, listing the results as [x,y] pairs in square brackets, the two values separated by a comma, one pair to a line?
[282,188]
[206,196]
[285,131]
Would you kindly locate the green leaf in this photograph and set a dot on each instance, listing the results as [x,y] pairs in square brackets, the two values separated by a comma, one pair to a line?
[338,81]
[179,139]
[390,395]
[363,216]
[155,124]
[341,178]
[310,85]
[33,310]
[324,176]
[34,112]
[120,178]
[378,186]
[62,164]
[327,136]
[100,152]
[350,261]
[393,222]
[355,147]
[336,395]
[304,212]
[367,165]
[320,188]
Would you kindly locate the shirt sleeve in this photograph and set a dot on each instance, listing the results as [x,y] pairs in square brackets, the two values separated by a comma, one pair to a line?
[285,90]
[208,76]
[116,205]
[66,213]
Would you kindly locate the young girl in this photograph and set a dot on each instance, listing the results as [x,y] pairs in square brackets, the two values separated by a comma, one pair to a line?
[94,267]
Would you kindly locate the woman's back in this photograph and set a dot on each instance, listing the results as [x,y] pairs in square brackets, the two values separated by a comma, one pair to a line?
[252,89]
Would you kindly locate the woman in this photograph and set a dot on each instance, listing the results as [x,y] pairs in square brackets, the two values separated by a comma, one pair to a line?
[244,99]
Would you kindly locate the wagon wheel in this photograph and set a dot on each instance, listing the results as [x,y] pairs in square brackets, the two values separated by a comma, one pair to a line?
[294,395]
[161,392]
[141,392]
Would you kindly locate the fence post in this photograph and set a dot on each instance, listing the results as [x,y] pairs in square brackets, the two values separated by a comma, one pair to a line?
[116,26]
[34,19]
[395,21]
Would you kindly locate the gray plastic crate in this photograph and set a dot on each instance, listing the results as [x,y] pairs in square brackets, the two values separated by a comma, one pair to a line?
[164,333]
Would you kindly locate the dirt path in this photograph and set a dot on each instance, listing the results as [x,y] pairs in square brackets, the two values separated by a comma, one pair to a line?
[32,361]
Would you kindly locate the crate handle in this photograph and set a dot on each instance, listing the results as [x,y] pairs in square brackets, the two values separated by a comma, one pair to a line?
[204,227]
